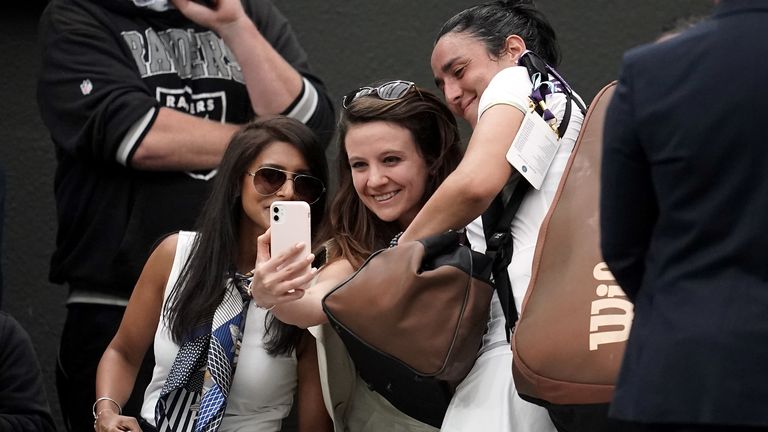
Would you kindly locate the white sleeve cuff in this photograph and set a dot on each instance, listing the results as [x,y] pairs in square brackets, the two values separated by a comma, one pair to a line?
[131,137]
[307,105]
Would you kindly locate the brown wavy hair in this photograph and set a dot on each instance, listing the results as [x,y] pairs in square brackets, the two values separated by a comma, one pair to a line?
[354,231]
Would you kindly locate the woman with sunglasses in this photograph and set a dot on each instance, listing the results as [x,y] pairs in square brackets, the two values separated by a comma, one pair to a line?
[484,60]
[397,144]
[223,362]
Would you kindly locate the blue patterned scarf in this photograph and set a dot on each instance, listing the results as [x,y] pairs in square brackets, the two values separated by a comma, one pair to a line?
[194,396]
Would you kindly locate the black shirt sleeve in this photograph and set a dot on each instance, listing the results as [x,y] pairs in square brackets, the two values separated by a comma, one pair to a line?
[89,91]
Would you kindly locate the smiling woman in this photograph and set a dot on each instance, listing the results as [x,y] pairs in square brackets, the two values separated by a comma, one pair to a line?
[397,144]
[407,146]
[388,171]
[484,60]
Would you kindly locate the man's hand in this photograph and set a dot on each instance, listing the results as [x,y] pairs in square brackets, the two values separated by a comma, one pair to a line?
[224,16]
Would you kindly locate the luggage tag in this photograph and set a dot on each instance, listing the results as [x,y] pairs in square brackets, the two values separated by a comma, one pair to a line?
[533,149]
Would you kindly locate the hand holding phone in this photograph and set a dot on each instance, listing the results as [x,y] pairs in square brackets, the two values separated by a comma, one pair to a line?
[282,271]
[290,223]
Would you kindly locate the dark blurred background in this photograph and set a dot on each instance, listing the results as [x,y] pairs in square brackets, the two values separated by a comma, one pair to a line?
[350,43]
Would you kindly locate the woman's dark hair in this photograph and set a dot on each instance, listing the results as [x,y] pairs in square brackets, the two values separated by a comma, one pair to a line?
[355,230]
[492,22]
[200,286]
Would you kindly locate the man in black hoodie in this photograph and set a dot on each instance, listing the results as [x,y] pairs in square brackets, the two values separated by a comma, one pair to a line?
[141,98]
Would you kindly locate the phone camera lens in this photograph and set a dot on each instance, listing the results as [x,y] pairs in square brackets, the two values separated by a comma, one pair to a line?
[275,209]
[276,218]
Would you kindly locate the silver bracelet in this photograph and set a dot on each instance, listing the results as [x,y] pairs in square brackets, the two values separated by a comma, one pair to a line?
[103,398]
[265,308]
[249,291]
[258,306]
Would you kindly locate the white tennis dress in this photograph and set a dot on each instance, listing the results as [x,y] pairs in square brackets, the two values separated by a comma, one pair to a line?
[487,400]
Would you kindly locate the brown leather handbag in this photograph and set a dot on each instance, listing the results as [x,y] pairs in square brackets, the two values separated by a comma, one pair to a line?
[569,341]
[412,318]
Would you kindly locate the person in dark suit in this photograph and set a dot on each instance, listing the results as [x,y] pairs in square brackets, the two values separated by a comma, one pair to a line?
[141,98]
[23,404]
[683,209]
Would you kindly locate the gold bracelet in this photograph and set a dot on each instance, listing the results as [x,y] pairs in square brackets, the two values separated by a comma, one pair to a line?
[103,398]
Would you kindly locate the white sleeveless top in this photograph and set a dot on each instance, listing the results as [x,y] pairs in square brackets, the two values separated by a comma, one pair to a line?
[263,386]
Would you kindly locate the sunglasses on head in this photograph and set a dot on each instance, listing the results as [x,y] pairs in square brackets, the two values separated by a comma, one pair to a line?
[389,91]
[267,181]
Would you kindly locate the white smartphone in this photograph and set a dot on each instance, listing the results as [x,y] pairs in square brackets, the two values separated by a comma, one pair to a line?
[291,224]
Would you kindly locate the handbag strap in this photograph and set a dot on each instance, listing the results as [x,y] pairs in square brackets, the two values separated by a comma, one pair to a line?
[496,225]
